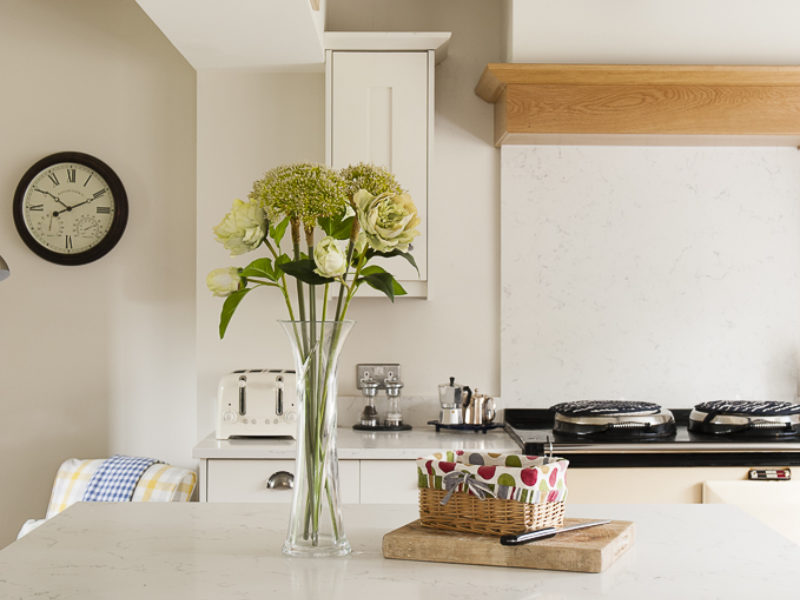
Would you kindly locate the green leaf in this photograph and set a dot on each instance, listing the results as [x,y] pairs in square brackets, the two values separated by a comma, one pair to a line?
[303,270]
[277,232]
[371,253]
[261,267]
[399,290]
[337,227]
[228,308]
[378,278]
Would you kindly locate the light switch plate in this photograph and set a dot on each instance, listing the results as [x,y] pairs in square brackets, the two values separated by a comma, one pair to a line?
[379,372]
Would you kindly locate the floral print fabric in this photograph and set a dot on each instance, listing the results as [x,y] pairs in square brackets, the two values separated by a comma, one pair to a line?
[530,479]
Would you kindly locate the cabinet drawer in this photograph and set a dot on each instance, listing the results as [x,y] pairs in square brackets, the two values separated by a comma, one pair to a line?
[244,480]
[389,482]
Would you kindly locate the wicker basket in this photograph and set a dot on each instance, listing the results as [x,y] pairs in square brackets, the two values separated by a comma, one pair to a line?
[464,512]
[491,493]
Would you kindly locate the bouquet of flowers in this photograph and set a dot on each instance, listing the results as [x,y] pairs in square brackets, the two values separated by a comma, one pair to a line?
[361,213]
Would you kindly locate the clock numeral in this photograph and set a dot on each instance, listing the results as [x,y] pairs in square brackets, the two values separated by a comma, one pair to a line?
[71,174]
[53,178]
[36,207]
[104,210]
[68,242]
[87,179]
[98,194]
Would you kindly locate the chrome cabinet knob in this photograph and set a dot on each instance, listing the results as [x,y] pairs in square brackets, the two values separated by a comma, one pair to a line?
[280,480]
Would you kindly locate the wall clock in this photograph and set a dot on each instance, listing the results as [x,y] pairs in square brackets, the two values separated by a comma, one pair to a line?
[70,208]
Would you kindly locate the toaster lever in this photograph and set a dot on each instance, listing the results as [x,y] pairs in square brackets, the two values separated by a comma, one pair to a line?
[279,396]
[242,395]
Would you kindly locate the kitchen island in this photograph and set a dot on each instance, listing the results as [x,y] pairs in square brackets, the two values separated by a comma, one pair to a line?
[222,551]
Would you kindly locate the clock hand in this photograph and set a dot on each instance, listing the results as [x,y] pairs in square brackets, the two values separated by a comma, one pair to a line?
[56,198]
[81,203]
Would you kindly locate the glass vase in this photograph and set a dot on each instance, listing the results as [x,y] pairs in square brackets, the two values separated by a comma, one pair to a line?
[315,523]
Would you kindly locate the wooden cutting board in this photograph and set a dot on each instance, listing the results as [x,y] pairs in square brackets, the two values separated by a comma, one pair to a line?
[589,550]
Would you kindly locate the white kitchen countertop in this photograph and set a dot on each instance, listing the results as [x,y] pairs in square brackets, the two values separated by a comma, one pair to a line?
[354,444]
[221,551]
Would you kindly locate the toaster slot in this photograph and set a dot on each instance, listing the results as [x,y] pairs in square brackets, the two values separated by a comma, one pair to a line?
[279,396]
[242,395]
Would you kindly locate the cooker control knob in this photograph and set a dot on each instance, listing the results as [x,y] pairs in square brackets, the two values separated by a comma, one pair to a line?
[229,416]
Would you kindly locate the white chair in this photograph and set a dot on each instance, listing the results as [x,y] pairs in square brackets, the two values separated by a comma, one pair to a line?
[159,483]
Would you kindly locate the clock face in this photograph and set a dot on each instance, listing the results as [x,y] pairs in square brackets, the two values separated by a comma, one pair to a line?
[70,208]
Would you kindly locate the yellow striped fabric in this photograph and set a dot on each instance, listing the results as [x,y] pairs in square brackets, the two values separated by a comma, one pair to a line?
[159,483]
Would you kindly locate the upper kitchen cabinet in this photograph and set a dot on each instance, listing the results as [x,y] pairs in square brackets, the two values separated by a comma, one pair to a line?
[643,104]
[379,92]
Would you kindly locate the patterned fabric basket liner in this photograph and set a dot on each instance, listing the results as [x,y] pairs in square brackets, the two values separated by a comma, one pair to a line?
[491,493]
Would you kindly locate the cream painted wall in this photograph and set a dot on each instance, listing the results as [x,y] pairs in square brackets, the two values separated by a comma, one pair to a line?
[96,359]
[654,31]
[249,122]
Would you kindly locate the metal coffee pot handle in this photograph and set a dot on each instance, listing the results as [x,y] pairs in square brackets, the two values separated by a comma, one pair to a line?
[489,410]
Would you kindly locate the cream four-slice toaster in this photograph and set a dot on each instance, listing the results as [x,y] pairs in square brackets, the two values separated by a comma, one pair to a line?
[257,402]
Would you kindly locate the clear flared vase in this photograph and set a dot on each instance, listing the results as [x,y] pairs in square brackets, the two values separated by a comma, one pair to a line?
[315,523]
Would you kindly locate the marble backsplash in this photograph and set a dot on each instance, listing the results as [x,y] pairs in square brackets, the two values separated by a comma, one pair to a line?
[664,274]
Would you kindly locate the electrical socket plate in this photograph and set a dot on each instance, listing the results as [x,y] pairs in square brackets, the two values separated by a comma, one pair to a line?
[378,372]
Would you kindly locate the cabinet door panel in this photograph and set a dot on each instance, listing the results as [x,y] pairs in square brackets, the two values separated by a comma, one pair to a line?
[246,480]
[389,482]
[648,485]
[379,114]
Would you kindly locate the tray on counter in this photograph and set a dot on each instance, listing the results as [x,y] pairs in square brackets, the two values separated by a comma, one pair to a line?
[465,426]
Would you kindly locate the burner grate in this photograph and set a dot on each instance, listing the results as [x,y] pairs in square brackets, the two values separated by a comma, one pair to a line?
[604,407]
[767,408]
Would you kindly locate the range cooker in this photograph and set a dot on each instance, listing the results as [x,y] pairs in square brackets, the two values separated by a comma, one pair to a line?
[642,434]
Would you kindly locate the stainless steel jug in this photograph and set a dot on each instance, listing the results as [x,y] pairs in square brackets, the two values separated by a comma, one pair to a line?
[480,410]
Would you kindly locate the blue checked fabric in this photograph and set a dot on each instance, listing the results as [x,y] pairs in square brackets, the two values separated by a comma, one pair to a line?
[116,479]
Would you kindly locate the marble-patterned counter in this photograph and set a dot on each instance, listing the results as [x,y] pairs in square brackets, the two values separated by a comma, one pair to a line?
[362,445]
[225,551]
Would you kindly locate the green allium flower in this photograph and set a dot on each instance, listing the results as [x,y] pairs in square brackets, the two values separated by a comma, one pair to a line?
[376,180]
[223,282]
[305,191]
[388,220]
[243,229]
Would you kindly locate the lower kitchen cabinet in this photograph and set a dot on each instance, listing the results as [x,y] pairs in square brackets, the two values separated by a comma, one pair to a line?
[360,481]
[389,482]
[648,485]
[371,481]
[246,480]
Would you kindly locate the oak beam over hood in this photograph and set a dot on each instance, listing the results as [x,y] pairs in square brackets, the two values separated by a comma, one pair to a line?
[643,104]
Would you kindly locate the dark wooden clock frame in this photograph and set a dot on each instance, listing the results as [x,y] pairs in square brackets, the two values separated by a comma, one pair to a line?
[118,223]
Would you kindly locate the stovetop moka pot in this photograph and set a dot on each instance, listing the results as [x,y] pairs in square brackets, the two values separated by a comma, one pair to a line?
[452,397]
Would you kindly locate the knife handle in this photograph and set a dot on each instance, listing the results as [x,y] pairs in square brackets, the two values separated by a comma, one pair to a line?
[528,536]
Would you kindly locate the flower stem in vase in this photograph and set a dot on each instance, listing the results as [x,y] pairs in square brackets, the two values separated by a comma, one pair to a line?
[315,525]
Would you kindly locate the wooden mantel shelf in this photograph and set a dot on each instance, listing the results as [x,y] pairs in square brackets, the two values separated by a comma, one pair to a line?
[643,104]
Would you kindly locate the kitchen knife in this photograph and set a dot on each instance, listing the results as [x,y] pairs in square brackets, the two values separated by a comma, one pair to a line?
[543,534]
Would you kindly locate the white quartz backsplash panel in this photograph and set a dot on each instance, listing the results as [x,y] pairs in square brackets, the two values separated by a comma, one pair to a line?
[666,274]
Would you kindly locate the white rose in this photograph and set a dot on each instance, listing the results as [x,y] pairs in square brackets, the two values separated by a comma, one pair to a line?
[223,282]
[243,229]
[331,261]
[389,220]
